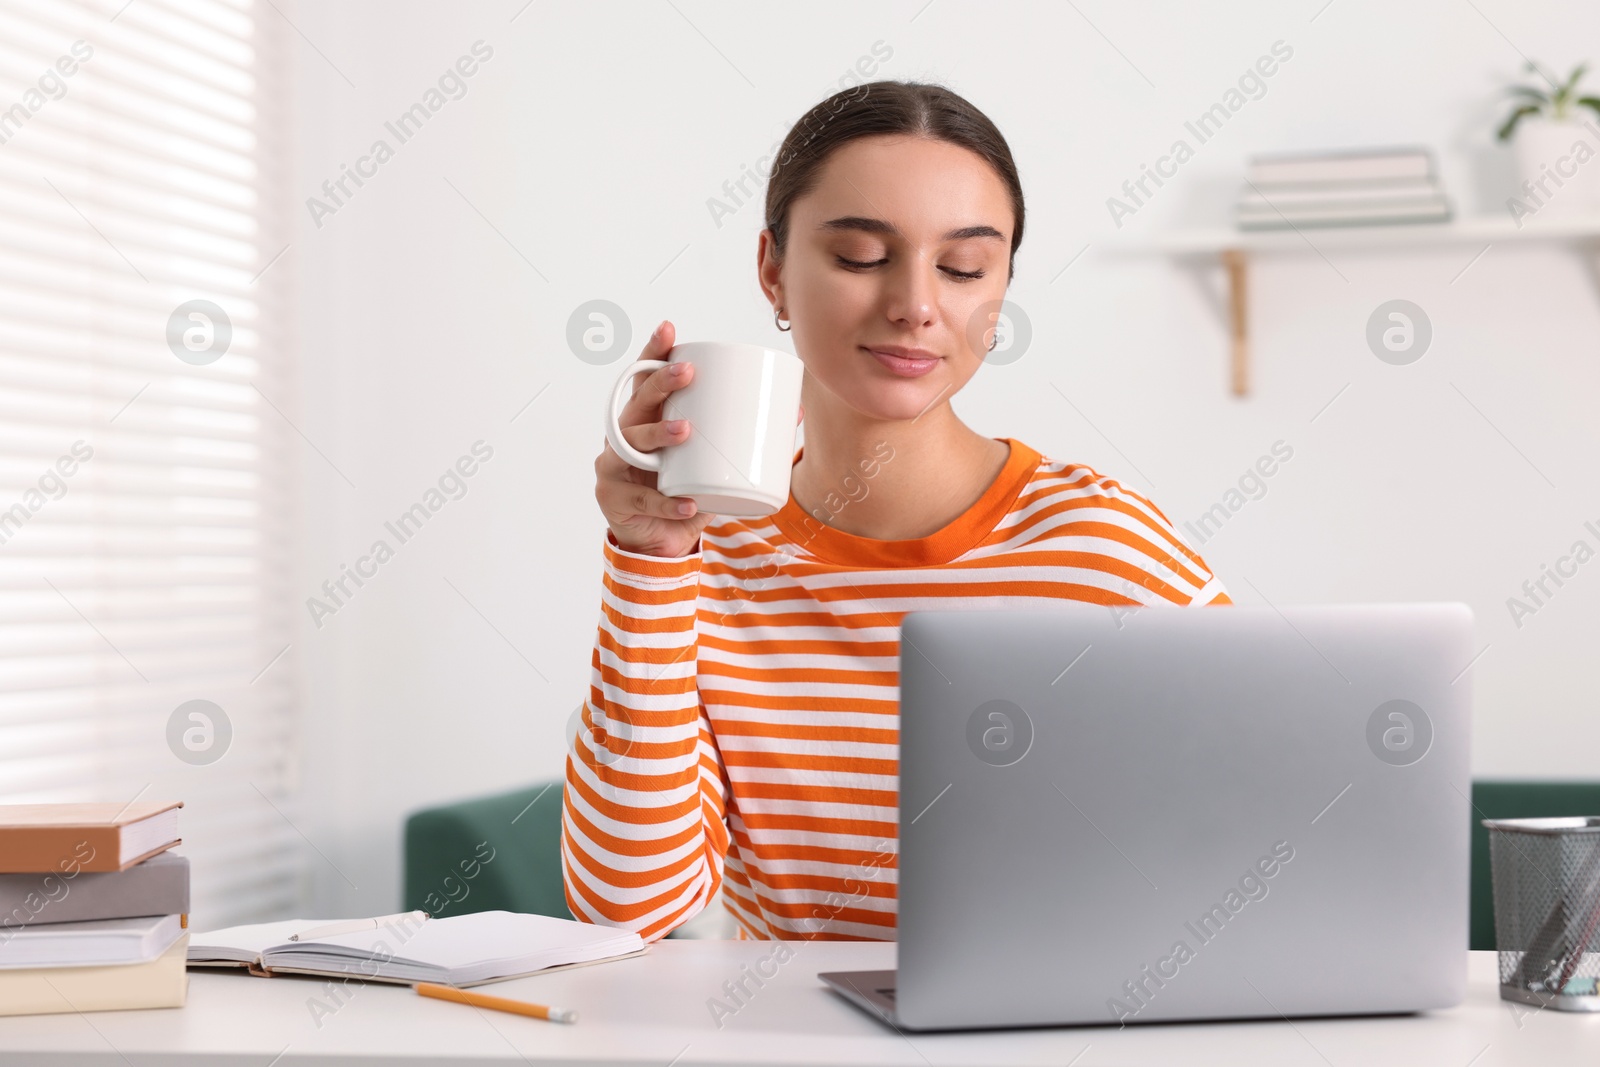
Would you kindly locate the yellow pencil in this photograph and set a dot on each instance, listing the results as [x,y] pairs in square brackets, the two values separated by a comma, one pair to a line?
[483,1000]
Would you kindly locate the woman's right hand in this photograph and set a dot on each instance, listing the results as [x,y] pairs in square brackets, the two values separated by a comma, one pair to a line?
[642,519]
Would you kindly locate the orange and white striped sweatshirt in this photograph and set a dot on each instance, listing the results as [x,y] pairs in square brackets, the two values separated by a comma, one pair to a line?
[741,728]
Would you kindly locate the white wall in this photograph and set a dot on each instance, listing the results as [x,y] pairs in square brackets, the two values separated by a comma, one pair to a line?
[591,141]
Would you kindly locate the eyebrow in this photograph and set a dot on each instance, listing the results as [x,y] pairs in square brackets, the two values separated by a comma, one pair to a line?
[868,225]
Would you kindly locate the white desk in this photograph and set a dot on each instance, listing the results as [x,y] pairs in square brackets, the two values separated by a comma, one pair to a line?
[652,1011]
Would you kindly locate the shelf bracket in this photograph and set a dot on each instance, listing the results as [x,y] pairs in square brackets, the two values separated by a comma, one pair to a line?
[1233,261]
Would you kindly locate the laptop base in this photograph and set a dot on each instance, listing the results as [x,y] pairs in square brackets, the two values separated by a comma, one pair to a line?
[871,991]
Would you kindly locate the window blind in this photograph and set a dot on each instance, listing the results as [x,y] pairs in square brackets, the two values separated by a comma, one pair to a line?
[146,462]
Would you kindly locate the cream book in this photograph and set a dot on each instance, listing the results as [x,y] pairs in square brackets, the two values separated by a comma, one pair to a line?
[460,950]
[159,983]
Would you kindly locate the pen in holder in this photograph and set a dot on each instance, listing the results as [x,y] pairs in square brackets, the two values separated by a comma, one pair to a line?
[1547,910]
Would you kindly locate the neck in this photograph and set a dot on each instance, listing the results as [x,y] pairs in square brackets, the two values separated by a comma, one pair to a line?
[891,480]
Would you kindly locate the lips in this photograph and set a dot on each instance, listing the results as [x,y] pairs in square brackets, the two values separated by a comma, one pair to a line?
[904,362]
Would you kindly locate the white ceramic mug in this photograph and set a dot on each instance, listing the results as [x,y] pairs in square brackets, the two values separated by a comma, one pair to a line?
[742,408]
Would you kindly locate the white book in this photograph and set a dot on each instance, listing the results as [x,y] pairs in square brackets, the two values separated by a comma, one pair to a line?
[1283,194]
[93,943]
[459,950]
[1362,215]
[1342,207]
[1356,165]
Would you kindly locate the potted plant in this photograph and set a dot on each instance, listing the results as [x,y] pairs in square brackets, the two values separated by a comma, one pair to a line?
[1557,144]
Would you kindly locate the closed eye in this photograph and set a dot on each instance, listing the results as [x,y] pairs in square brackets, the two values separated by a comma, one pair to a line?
[963,275]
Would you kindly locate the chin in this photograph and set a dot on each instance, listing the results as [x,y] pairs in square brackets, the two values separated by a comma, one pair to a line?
[898,401]
[875,392]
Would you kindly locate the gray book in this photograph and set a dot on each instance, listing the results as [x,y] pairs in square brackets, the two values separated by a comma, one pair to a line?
[158,886]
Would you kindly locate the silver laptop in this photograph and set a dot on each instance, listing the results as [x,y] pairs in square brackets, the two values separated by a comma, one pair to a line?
[1136,815]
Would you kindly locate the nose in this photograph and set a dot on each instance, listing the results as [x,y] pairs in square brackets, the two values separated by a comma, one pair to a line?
[913,294]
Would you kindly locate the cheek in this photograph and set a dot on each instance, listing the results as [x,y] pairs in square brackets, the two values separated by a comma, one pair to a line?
[841,309]
[974,323]
[842,298]
[962,369]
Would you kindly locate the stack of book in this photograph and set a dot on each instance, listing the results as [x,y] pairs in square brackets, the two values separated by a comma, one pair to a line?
[94,911]
[1352,188]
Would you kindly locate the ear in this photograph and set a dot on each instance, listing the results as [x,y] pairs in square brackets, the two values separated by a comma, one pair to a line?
[769,272]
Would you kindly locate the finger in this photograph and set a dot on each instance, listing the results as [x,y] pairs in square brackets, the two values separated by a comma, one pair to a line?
[625,500]
[700,520]
[657,346]
[660,341]
[609,466]
[649,436]
[651,391]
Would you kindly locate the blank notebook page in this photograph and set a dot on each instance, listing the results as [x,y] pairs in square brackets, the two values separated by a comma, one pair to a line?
[245,943]
[472,947]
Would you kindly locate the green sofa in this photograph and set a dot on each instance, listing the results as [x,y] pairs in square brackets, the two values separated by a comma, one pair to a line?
[519,833]
[504,851]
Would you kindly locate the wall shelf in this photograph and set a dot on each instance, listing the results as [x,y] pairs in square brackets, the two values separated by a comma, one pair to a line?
[1233,249]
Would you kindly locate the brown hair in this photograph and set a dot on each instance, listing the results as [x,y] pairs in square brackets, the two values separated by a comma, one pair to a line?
[884,107]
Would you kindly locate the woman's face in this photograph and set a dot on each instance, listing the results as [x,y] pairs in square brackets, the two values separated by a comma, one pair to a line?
[900,251]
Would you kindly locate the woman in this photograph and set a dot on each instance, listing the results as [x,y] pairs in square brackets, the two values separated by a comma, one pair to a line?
[741,726]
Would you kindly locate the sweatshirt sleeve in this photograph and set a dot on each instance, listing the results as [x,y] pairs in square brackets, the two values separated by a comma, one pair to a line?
[643,830]
[1173,572]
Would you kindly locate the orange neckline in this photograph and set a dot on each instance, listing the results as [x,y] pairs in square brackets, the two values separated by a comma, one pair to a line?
[964,532]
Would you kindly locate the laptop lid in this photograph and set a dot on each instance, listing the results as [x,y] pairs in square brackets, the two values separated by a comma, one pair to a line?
[1135,815]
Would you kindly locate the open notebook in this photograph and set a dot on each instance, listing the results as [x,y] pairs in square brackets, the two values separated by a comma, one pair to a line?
[460,950]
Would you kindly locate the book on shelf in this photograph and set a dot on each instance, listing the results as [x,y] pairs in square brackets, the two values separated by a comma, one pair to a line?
[1358,164]
[1287,194]
[459,950]
[1360,187]
[1344,215]
[38,838]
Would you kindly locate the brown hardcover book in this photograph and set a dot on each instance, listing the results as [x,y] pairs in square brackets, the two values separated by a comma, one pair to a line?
[68,838]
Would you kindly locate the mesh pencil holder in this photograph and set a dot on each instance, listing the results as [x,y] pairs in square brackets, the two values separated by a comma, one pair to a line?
[1547,910]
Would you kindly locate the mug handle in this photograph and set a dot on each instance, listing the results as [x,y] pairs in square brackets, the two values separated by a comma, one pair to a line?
[649,461]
